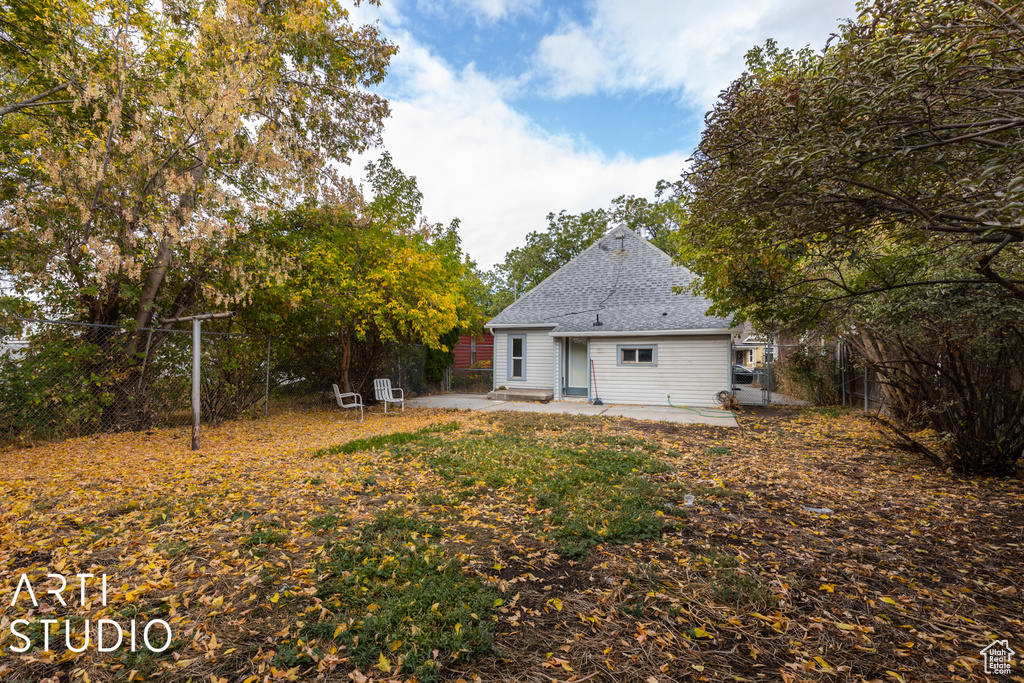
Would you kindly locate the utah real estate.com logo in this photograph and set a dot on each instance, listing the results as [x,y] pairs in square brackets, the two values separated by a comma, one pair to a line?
[998,656]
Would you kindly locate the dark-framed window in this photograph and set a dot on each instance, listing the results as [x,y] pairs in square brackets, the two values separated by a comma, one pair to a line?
[636,354]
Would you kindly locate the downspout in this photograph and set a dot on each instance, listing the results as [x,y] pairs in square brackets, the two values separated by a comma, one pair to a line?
[728,365]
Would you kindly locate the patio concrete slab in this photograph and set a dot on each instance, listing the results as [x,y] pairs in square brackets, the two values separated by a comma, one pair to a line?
[480,402]
[538,395]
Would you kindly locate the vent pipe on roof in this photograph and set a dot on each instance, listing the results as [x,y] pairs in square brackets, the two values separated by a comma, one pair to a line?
[598,322]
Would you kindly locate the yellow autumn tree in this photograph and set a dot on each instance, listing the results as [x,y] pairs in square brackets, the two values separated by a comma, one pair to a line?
[359,275]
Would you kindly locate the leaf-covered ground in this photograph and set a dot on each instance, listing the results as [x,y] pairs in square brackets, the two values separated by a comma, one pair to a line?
[512,547]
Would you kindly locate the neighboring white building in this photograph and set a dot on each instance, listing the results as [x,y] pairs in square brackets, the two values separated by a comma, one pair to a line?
[607,324]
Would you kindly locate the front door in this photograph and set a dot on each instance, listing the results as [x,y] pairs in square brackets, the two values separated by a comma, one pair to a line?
[576,367]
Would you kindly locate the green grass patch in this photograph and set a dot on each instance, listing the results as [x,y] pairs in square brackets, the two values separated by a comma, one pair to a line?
[173,548]
[327,522]
[718,450]
[828,411]
[398,598]
[123,509]
[591,488]
[262,536]
[736,585]
[449,499]
[441,428]
[380,441]
[641,583]
[676,491]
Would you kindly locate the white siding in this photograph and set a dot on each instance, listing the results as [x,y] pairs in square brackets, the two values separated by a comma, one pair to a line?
[539,360]
[690,369]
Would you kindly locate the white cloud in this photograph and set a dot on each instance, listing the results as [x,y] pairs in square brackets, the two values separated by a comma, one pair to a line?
[478,159]
[481,10]
[692,46]
[498,9]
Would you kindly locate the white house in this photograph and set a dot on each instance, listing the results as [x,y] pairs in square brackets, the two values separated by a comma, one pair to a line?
[608,324]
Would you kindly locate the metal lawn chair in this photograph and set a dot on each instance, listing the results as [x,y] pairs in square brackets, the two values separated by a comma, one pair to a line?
[383,391]
[354,400]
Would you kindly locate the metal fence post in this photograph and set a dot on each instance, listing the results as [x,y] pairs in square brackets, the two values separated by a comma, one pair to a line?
[865,388]
[841,356]
[266,386]
[197,339]
[145,358]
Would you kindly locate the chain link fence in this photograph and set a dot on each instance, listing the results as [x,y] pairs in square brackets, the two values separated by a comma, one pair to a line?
[60,380]
[758,377]
[404,365]
[469,380]
[813,373]
[862,386]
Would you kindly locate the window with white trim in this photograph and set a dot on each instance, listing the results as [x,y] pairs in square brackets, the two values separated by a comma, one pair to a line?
[637,355]
[517,356]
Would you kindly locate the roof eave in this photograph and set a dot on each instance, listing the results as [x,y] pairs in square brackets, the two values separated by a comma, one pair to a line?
[519,326]
[646,333]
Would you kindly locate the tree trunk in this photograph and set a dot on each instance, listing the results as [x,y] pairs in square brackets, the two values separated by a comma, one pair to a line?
[346,359]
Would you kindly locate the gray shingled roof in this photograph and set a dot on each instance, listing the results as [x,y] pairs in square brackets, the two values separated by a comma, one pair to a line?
[622,277]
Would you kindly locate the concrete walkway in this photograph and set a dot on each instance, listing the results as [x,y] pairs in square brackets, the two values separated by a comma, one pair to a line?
[480,402]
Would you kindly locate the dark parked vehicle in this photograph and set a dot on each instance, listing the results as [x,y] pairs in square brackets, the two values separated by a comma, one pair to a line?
[741,375]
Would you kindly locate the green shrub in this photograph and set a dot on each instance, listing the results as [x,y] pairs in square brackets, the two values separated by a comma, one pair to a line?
[811,373]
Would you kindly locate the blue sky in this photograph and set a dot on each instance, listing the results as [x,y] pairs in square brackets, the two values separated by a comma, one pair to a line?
[506,110]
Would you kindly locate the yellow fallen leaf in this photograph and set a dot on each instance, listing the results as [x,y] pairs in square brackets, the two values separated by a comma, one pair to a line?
[384,664]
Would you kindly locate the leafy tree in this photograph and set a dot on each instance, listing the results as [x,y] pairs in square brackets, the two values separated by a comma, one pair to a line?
[437,359]
[358,275]
[900,141]
[178,121]
[879,180]
[657,220]
[950,357]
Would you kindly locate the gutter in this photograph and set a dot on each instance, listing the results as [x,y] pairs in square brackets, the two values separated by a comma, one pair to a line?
[647,333]
[520,326]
